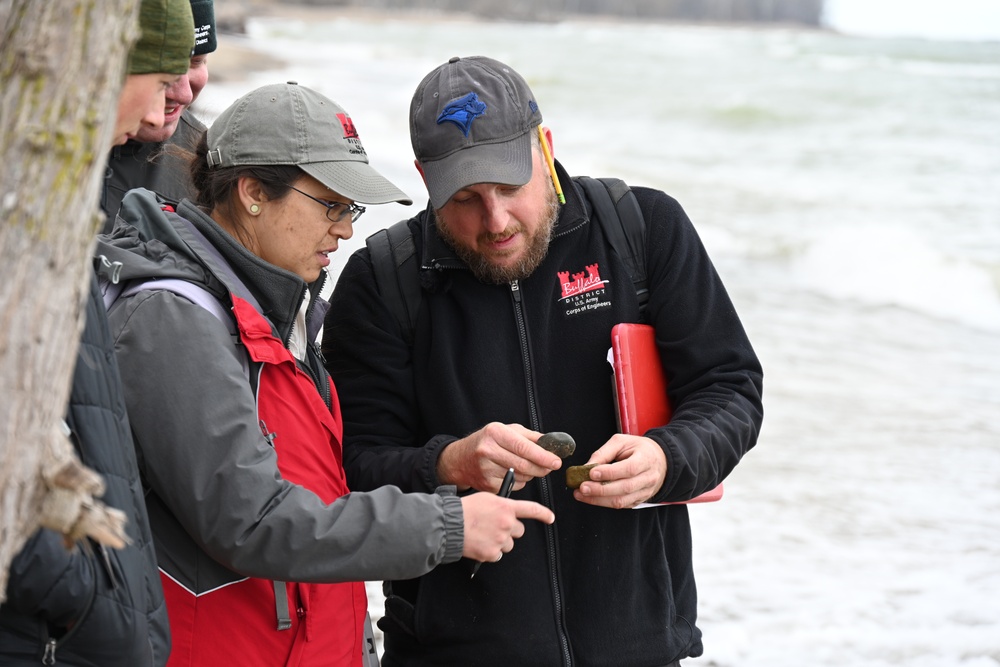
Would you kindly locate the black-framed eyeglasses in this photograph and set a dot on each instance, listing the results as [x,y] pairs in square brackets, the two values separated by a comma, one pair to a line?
[336,210]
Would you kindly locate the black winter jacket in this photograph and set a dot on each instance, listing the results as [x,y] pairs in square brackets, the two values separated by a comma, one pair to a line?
[600,587]
[152,166]
[112,598]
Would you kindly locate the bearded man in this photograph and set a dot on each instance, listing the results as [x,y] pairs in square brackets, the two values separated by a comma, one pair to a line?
[519,291]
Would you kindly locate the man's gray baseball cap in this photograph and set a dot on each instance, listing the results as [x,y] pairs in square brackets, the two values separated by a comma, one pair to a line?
[289,124]
[471,121]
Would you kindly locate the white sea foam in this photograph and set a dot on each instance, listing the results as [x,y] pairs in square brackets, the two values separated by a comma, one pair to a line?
[893,266]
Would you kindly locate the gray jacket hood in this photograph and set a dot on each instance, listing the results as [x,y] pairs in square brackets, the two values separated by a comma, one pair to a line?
[151,241]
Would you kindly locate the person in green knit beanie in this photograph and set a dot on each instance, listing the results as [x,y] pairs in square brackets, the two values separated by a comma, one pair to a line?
[158,59]
[155,158]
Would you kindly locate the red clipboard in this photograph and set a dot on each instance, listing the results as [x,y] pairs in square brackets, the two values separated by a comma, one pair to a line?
[641,388]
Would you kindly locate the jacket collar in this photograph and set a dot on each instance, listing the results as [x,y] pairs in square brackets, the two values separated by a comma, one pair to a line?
[130,148]
[151,241]
[278,292]
[188,131]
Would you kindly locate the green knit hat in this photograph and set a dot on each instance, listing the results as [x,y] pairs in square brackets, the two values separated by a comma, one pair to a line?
[167,38]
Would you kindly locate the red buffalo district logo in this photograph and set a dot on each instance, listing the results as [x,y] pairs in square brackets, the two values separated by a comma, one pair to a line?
[583,292]
[350,132]
[580,283]
[353,142]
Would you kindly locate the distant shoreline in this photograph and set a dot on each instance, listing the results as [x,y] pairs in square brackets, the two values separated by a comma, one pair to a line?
[237,56]
[806,13]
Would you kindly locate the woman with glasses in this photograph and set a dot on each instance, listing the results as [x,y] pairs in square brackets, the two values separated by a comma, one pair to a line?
[215,308]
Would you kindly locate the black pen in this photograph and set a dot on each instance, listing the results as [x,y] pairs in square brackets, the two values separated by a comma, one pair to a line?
[506,486]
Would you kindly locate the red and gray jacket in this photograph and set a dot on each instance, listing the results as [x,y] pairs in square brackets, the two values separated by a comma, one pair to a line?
[239,444]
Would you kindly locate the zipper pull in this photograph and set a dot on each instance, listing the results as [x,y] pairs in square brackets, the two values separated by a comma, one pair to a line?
[515,290]
[267,436]
[106,560]
[319,351]
[49,657]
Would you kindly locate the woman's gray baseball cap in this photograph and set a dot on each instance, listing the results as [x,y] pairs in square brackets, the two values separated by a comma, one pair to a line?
[289,124]
[471,121]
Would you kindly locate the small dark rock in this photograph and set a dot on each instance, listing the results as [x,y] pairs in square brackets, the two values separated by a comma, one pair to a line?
[560,444]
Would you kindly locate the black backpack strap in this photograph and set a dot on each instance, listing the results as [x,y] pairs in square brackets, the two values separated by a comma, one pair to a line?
[397,274]
[612,199]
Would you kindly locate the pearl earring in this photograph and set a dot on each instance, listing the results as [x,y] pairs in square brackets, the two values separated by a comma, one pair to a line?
[254,209]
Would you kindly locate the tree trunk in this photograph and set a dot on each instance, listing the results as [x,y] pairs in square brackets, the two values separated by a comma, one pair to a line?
[62,63]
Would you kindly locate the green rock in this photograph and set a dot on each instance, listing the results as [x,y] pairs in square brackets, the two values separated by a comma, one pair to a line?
[577,475]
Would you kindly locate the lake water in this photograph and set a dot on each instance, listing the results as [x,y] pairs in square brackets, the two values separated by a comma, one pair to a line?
[848,192]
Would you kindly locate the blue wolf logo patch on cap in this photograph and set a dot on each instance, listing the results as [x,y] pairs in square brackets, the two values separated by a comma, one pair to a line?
[463,111]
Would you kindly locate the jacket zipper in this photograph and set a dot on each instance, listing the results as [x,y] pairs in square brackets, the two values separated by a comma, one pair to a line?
[91,558]
[522,332]
[105,560]
[320,377]
[309,365]
[51,643]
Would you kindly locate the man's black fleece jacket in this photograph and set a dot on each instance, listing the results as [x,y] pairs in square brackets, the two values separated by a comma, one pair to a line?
[599,587]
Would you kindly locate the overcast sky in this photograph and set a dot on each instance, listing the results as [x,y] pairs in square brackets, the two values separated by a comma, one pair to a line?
[940,19]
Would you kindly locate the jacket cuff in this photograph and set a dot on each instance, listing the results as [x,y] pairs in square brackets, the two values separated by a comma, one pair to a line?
[454,524]
[431,453]
[670,480]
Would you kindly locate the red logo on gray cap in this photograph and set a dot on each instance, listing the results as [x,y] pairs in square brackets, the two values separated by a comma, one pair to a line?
[349,131]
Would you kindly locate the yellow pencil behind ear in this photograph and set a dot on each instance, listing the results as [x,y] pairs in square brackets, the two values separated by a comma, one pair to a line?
[551,164]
